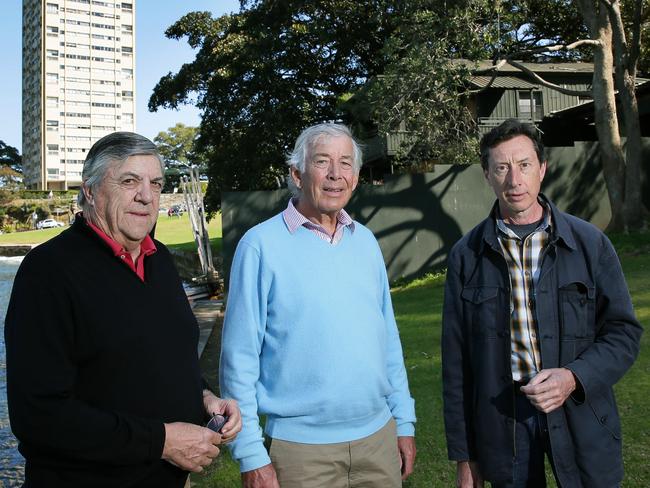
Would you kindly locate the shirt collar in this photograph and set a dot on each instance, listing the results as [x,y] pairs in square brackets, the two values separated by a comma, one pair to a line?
[503,229]
[147,246]
[294,219]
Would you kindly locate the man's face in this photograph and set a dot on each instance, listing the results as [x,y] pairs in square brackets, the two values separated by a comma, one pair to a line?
[515,174]
[125,204]
[329,178]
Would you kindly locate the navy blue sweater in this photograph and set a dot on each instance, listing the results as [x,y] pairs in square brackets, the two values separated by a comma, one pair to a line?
[97,361]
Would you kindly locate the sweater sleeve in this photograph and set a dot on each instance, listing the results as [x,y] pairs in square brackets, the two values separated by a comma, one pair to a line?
[243,335]
[42,336]
[400,402]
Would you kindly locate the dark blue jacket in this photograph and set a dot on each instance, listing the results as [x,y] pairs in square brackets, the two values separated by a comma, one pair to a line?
[586,324]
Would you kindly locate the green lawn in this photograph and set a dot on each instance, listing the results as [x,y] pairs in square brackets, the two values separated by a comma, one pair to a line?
[418,310]
[174,232]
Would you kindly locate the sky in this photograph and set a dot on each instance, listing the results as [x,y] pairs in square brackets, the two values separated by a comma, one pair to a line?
[155,57]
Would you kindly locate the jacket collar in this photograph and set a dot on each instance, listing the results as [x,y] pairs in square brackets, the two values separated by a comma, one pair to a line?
[487,235]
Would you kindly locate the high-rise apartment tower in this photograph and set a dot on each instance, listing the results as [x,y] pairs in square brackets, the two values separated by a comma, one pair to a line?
[78,84]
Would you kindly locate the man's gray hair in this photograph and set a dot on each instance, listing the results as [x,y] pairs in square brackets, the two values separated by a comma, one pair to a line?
[311,136]
[115,147]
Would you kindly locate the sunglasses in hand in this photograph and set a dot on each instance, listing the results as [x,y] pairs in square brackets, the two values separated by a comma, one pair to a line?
[217,422]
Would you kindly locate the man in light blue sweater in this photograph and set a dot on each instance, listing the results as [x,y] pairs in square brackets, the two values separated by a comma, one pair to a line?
[310,341]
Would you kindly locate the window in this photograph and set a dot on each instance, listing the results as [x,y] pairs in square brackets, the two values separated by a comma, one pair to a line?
[530,105]
[104,26]
[52,8]
[105,105]
[75,22]
[52,77]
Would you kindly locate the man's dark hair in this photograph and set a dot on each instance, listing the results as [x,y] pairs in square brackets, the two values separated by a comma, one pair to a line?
[506,131]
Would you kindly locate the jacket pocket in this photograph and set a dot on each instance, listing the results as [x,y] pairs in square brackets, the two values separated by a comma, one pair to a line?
[480,303]
[595,429]
[577,310]
[604,409]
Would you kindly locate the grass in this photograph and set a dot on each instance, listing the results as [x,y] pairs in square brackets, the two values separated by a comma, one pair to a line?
[418,308]
[174,232]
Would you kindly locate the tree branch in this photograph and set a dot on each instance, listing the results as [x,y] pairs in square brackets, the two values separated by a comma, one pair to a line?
[548,84]
[621,50]
[495,71]
[635,44]
[531,74]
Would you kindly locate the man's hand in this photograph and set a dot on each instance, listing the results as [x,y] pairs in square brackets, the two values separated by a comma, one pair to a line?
[213,404]
[406,448]
[549,389]
[263,477]
[189,446]
[468,475]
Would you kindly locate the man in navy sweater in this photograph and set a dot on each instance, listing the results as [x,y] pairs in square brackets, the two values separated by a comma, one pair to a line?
[310,339]
[103,379]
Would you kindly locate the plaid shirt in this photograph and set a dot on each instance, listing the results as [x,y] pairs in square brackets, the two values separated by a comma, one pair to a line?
[295,219]
[524,258]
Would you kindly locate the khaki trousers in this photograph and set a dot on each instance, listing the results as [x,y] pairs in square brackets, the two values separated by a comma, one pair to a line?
[365,463]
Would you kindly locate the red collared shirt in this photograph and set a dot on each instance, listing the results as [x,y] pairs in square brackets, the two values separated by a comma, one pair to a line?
[147,248]
[295,219]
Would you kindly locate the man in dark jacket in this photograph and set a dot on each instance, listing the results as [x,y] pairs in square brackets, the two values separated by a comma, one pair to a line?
[103,379]
[538,326]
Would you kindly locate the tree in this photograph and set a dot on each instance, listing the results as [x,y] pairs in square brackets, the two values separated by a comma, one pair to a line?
[11,177]
[421,95]
[177,148]
[589,30]
[263,74]
[260,76]
[614,33]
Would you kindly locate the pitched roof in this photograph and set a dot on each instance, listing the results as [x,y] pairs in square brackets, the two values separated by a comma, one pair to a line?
[501,81]
[478,66]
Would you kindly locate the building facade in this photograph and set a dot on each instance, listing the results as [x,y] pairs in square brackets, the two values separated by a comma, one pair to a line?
[78,84]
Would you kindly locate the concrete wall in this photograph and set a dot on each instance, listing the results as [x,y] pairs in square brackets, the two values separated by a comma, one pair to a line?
[417,218]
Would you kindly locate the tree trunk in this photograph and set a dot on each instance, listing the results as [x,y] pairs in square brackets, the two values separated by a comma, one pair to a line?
[605,118]
[634,210]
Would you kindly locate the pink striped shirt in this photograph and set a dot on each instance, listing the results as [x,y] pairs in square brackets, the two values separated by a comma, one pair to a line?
[295,219]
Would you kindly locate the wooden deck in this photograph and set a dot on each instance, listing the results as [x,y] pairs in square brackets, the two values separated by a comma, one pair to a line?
[208,313]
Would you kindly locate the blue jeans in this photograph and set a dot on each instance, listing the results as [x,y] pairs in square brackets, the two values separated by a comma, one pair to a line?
[531,444]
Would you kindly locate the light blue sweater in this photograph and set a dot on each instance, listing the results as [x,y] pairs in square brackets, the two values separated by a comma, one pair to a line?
[310,341]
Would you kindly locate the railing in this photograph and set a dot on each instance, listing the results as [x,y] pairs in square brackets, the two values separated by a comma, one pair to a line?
[486,124]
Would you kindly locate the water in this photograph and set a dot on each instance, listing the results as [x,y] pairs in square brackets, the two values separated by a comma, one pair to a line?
[12,464]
